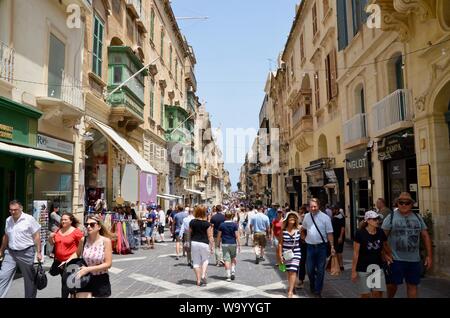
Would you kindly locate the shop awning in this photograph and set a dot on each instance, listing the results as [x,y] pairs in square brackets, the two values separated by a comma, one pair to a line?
[125,145]
[171,196]
[194,191]
[31,153]
[165,197]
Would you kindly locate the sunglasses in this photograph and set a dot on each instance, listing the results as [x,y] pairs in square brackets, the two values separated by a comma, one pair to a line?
[91,224]
[404,202]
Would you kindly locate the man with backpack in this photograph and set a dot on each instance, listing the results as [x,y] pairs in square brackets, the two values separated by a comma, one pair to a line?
[404,228]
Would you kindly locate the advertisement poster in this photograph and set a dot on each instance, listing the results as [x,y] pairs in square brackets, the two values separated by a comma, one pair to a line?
[40,213]
[147,187]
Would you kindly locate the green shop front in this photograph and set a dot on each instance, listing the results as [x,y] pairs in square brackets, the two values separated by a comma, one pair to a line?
[19,155]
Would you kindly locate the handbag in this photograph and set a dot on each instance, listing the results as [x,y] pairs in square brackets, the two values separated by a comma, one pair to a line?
[40,279]
[70,272]
[321,236]
[55,270]
[289,254]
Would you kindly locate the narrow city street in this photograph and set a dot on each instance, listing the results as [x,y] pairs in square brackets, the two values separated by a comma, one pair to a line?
[156,274]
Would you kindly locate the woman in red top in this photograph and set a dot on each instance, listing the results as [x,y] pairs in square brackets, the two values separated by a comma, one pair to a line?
[276,228]
[66,241]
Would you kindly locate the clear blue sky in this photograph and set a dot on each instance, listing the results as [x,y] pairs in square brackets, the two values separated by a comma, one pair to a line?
[232,49]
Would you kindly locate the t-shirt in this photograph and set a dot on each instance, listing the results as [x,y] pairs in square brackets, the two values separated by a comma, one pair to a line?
[152,216]
[338,222]
[216,220]
[370,248]
[323,223]
[179,217]
[228,229]
[272,214]
[260,223]
[277,224]
[66,245]
[404,236]
[199,230]
[162,217]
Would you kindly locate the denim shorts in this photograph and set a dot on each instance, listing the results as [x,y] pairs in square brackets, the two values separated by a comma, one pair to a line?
[148,231]
[408,271]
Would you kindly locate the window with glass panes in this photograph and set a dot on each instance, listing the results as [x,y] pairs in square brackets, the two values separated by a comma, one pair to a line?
[97,60]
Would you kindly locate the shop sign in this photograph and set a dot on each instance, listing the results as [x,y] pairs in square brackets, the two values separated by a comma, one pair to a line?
[396,147]
[357,165]
[6,132]
[54,145]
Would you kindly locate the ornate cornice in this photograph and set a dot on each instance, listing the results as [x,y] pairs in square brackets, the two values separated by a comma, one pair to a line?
[392,20]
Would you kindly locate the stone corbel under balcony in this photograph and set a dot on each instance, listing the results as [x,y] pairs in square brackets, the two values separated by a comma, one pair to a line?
[123,118]
[153,70]
[304,141]
[163,84]
[171,94]
[423,8]
[316,55]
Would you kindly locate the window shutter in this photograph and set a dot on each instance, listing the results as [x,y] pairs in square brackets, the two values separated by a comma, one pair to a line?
[333,69]
[317,92]
[328,77]
[342,24]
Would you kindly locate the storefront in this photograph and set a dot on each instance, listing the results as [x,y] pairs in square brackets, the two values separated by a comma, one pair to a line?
[115,171]
[397,152]
[53,182]
[360,185]
[335,186]
[294,189]
[317,180]
[20,161]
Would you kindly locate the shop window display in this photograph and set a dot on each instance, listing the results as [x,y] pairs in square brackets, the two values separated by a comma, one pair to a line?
[96,169]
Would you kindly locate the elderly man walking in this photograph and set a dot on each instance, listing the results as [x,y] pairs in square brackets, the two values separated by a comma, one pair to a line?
[21,241]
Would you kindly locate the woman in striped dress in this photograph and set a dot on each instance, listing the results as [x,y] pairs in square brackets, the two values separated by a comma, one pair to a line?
[289,252]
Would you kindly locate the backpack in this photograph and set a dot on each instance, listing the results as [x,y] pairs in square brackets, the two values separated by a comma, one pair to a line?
[392,217]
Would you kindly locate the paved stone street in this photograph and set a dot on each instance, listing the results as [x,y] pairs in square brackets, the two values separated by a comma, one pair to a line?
[156,274]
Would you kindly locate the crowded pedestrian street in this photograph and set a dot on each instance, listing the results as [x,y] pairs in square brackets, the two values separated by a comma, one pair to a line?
[156,274]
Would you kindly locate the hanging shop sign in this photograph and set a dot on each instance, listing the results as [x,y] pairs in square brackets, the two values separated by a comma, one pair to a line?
[147,187]
[357,164]
[6,132]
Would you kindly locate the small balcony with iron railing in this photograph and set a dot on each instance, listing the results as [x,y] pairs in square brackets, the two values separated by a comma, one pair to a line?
[393,113]
[190,77]
[134,7]
[355,131]
[7,55]
[64,97]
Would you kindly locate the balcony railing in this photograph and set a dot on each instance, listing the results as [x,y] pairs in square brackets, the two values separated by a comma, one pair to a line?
[392,113]
[70,91]
[355,128]
[6,62]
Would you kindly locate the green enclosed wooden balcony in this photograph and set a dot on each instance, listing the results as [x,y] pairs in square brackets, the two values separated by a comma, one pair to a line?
[127,104]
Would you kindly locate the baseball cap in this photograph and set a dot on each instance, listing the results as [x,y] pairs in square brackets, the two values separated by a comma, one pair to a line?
[371,215]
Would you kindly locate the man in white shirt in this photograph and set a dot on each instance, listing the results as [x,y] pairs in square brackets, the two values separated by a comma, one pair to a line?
[319,232]
[21,240]
[250,214]
[186,235]
[161,222]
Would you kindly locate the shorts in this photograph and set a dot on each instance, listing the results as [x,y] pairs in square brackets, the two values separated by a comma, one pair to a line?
[177,236]
[99,286]
[199,253]
[366,286]
[408,271]
[161,229]
[187,240]
[259,239]
[149,231]
[229,252]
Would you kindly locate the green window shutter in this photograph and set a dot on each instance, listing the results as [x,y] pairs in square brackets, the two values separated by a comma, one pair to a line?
[162,44]
[342,24]
[97,60]
[152,25]
[152,100]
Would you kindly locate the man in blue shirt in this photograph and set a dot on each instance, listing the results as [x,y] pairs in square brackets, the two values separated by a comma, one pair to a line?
[260,228]
[216,220]
[228,237]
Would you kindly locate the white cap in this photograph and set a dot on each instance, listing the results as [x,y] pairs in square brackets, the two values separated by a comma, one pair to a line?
[371,215]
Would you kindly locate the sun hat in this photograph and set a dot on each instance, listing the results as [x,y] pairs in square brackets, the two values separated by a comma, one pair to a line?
[289,214]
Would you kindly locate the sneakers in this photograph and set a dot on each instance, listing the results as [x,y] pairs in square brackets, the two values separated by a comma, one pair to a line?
[262,258]
[233,276]
[177,258]
[228,279]
[257,260]
[203,281]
